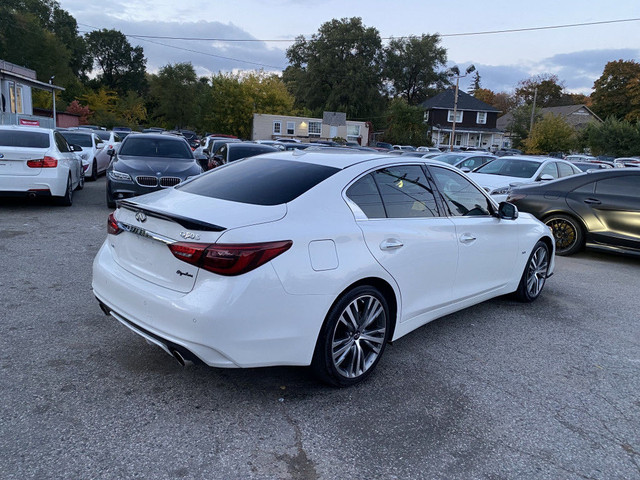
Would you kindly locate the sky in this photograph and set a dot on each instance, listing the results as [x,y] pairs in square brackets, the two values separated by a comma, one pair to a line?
[577,55]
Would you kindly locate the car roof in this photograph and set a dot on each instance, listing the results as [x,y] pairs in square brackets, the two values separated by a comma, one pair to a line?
[164,136]
[26,128]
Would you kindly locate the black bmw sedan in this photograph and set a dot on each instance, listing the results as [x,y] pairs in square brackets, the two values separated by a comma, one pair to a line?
[149,162]
[596,209]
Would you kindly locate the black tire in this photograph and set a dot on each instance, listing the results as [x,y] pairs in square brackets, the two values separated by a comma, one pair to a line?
[111,203]
[67,199]
[567,232]
[94,171]
[535,273]
[356,330]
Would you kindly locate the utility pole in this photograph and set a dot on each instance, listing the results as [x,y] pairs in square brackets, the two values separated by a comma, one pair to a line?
[533,109]
[455,72]
[53,92]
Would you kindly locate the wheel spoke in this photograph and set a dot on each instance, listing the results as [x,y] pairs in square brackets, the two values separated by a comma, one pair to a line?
[372,314]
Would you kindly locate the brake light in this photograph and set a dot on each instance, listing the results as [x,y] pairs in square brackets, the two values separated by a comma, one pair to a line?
[112,225]
[229,259]
[46,162]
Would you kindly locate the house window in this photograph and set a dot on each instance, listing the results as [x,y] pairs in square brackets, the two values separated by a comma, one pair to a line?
[458,116]
[291,128]
[426,116]
[277,127]
[15,98]
[315,129]
[353,132]
[481,118]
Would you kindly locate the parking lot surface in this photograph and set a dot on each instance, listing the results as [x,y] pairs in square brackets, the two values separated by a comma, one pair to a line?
[503,390]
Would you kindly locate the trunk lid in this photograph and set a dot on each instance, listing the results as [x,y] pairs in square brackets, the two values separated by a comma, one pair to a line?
[151,222]
[13,160]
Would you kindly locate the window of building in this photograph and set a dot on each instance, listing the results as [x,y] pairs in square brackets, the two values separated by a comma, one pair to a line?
[481,118]
[353,132]
[458,116]
[426,116]
[315,129]
[291,128]
[277,127]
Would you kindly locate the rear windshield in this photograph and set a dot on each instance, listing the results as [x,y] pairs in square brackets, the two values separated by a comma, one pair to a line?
[13,138]
[510,167]
[143,146]
[82,139]
[244,152]
[259,181]
[103,135]
[450,158]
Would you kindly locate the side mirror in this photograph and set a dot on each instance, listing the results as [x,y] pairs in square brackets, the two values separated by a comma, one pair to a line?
[507,211]
[111,152]
[100,146]
[465,169]
[545,177]
[75,148]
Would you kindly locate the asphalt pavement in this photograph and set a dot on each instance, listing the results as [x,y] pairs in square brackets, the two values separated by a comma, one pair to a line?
[502,390]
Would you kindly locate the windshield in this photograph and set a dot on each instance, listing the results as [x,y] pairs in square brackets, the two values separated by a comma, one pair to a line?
[510,167]
[82,139]
[450,158]
[17,138]
[143,146]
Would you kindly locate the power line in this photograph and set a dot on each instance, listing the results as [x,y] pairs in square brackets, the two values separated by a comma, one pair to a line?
[462,34]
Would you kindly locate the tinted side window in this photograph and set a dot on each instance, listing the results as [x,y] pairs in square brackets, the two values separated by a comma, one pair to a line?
[550,169]
[405,192]
[588,188]
[627,186]
[61,143]
[461,197]
[365,194]
[565,170]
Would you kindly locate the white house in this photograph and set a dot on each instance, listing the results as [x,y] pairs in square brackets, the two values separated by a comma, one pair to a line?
[332,125]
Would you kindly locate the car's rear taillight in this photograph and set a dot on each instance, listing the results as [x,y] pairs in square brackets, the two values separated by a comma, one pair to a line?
[46,162]
[229,259]
[112,225]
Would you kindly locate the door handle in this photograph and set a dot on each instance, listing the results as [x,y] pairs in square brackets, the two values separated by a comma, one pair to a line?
[592,201]
[391,244]
[467,238]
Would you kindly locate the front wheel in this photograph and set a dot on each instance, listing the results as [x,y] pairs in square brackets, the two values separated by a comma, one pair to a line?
[94,171]
[567,233]
[535,274]
[353,337]
[111,203]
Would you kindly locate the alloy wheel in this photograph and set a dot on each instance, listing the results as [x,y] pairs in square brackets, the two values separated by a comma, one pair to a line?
[537,271]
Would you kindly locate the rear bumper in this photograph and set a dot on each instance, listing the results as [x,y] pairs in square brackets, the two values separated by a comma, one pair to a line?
[50,181]
[244,321]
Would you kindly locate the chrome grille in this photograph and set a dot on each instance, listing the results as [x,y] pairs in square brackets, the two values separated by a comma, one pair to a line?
[169,181]
[145,181]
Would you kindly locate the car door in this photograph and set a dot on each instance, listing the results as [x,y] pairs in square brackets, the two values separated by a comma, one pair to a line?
[610,208]
[70,158]
[408,235]
[102,157]
[488,245]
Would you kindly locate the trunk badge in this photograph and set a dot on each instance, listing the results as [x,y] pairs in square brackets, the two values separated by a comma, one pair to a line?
[190,236]
[141,217]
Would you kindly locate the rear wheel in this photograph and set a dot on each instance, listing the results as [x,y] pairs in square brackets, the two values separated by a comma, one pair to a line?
[567,233]
[535,274]
[94,171]
[353,337]
[67,199]
[111,203]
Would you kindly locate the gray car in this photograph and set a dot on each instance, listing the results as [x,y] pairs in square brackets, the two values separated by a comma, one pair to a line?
[149,162]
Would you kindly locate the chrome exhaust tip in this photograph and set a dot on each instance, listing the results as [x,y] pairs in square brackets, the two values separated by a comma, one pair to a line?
[176,354]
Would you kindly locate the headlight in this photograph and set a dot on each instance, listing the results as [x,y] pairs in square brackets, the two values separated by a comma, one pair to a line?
[116,175]
[500,191]
[84,156]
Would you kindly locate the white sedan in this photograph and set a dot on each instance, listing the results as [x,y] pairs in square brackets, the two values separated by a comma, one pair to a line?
[499,176]
[38,162]
[312,258]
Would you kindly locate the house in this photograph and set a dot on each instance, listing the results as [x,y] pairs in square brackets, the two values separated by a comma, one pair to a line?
[578,116]
[16,105]
[307,129]
[475,125]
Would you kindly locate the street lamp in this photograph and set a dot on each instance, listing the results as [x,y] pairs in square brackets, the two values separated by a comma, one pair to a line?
[53,92]
[454,72]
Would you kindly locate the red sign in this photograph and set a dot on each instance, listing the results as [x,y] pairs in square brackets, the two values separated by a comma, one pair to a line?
[30,123]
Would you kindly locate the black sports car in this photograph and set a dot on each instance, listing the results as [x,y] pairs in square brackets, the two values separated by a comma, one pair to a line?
[597,209]
[149,162]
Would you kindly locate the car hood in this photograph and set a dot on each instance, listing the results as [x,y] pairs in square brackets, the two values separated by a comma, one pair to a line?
[154,166]
[489,181]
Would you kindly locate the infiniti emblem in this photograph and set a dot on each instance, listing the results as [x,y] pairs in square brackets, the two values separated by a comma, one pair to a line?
[1,155]
[141,217]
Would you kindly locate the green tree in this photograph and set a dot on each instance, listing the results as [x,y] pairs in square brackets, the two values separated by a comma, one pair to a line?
[475,85]
[411,66]
[102,104]
[174,92]
[121,66]
[338,69]
[405,124]
[551,134]
[520,126]
[550,90]
[616,92]
[619,138]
